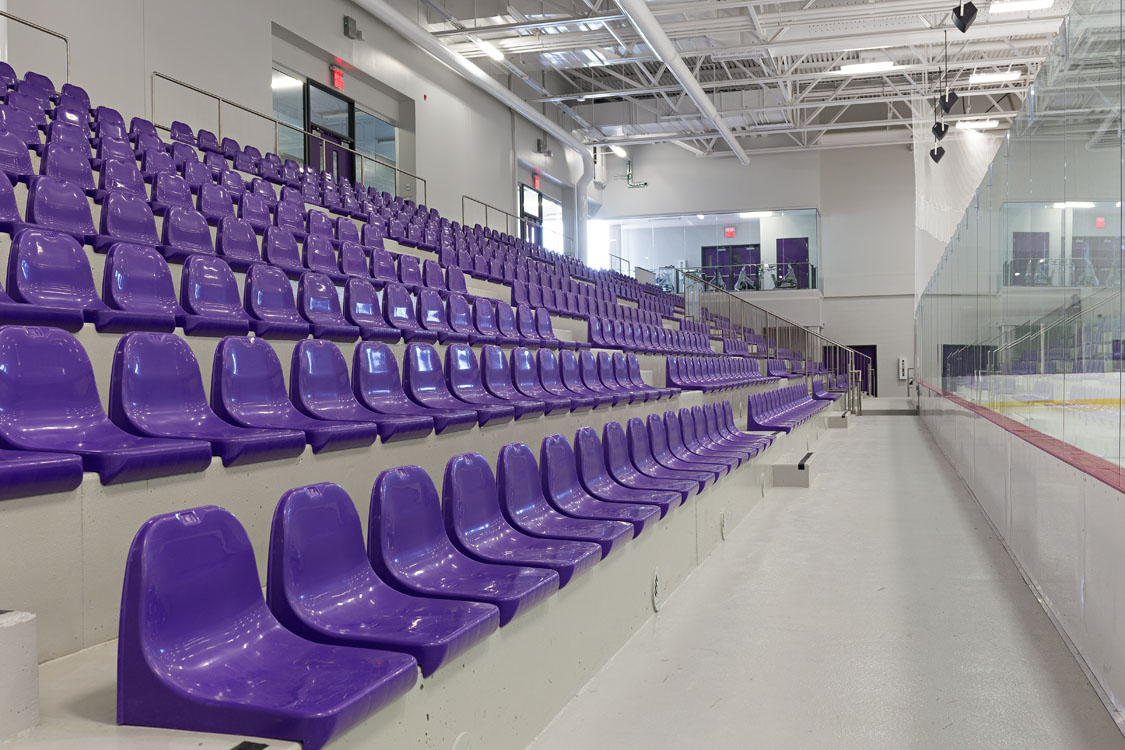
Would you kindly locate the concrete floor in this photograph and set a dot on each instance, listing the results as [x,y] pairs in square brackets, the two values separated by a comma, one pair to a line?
[875,610]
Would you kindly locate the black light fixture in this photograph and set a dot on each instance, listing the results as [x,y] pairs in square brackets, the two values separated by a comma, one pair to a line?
[936,153]
[964,15]
[939,130]
[949,97]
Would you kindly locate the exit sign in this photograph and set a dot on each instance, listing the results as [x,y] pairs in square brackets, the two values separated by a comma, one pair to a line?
[728,231]
[337,77]
[1100,222]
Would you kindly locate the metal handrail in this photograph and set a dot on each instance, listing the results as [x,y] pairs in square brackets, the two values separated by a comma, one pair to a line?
[489,207]
[45,30]
[277,125]
[855,401]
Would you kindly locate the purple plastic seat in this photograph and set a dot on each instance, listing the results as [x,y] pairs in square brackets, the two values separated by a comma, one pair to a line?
[662,453]
[182,133]
[196,175]
[319,304]
[60,207]
[496,377]
[633,375]
[279,249]
[525,378]
[321,586]
[408,547]
[571,376]
[477,526]
[248,390]
[377,385]
[620,465]
[156,160]
[463,376]
[28,473]
[424,382]
[290,217]
[410,273]
[484,319]
[214,203]
[126,218]
[526,508]
[362,309]
[169,189]
[528,332]
[15,160]
[9,210]
[398,309]
[319,223]
[598,482]
[431,317]
[550,377]
[199,650]
[383,268]
[209,298]
[28,104]
[640,452]
[353,261]
[253,210]
[460,316]
[20,124]
[564,491]
[680,447]
[49,402]
[137,282]
[237,244]
[319,255]
[268,299]
[693,427]
[319,387]
[609,382]
[185,233]
[157,391]
[433,278]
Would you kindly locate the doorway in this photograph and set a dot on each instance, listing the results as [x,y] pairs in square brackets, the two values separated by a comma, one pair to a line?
[332,117]
[871,388]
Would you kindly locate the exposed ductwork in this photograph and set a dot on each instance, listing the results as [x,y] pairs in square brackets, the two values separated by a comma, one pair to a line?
[426,41]
[657,40]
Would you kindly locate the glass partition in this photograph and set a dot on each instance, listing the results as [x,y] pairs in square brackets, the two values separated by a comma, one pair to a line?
[1023,314]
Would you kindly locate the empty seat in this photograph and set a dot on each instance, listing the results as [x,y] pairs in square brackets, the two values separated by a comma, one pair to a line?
[237,244]
[398,310]
[279,249]
[322,587]
[214,203]
[319,304]
[319,387]
[19,123]
[550,377]
[182,133]
[185,233]
[424,382]
[49,402]
[210,300]
[290,217]
[363,309]
[484,319]
[199,650]
[378,386]
[248,389]
[254,211]
[269,300]
[319,255]
[409,548]
[431,317]
[525,507]
[137,282]
[169,189]
[680,447]
[663,456]
[49,273]
[477,526]
[620,465]
[126,218]
[59,206]
[598,482]
[15,160]
[571,376]
[156,390]
[525,378]
[564,491]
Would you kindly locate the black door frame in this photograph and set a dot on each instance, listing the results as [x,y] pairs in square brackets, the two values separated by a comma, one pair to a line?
[347,141]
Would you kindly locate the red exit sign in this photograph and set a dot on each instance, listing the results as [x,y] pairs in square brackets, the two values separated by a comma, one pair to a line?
[728,231]
[337,77]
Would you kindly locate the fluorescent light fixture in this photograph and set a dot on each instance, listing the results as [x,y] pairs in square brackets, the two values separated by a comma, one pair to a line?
[1019,6]
[285,83]
[700,216]
[1002,77]
[618,150]
[755,214]
[866,67]
[977,124]
[489,49]
[1074,204]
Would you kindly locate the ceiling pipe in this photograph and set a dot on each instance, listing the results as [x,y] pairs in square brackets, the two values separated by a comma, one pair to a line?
[412,32]
[657,40]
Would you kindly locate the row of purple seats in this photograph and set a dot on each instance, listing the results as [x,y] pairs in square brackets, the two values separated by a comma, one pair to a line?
[635,337]
[492,548]
[819,393]
[713,374]
[776,368]
[735,347]
[781,409]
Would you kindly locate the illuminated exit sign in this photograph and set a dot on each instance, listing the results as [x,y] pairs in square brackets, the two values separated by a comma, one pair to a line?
[337,77]
[728,231]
